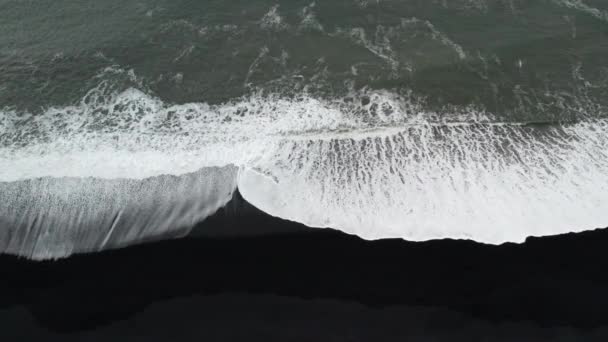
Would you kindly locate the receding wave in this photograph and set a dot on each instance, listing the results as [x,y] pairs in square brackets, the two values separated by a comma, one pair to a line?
[119,168]
[55,217]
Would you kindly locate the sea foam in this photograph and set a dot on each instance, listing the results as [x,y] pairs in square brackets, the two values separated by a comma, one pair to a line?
[125,167]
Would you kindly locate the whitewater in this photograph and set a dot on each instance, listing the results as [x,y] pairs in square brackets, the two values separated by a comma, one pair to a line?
[122,167]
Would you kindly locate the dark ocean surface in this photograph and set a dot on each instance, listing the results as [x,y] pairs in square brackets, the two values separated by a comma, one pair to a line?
[128,121]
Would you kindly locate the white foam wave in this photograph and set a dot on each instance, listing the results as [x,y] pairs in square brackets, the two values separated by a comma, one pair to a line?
[373,164]
[273,20]
[134,135]
[484,182]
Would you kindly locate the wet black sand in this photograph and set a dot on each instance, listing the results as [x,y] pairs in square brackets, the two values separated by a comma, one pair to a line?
[247,276]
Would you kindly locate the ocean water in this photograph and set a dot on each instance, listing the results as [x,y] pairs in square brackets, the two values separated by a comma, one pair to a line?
[127,121]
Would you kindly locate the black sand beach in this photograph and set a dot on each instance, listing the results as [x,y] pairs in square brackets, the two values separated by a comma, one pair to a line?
[263,278]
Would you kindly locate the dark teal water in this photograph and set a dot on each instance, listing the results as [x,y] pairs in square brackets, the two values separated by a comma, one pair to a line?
[504,56]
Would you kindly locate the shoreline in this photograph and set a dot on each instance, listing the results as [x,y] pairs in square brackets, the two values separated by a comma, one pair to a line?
[547,282]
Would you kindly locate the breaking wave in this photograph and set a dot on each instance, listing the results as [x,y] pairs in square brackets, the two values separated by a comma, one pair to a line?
[119,168]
